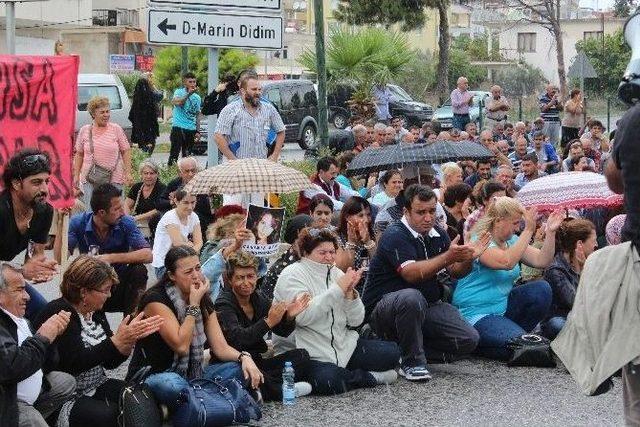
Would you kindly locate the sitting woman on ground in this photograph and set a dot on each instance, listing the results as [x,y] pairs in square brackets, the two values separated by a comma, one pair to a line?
[141,199]
[176,352]
[220,232]
[340,359]
[321,209]
[356,237]
[486,297]
[391,183]
[294,226]
[456,205]
[246,317]
[489,191]
[87,347]
[575,241]
[174,229]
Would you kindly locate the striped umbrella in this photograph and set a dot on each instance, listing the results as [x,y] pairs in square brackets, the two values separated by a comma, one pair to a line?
[568,190]
[245,176]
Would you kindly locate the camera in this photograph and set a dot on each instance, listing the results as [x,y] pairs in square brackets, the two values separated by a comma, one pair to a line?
[629,89]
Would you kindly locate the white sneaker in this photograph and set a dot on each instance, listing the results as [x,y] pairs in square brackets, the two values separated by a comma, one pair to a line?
[385,377]
[416,373]
[302,388]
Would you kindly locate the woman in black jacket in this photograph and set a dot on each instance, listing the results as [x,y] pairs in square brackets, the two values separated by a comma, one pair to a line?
[245,317]
[88,347]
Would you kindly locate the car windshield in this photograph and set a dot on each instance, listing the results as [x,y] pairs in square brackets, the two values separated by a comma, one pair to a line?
[85,93]
[399,93]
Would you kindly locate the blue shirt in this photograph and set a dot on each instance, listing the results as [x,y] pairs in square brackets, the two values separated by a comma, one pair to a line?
[485,291]
[123,237]
[185,115]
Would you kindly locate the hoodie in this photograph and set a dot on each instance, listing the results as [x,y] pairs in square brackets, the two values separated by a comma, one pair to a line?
[323,328]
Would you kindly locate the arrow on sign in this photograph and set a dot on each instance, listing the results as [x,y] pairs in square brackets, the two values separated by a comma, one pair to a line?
[164,26]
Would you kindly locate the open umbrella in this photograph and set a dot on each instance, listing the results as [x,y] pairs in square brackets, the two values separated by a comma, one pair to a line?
[568,190]
[245,176]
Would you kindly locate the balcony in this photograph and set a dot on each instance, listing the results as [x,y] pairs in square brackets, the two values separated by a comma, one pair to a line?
[116,17]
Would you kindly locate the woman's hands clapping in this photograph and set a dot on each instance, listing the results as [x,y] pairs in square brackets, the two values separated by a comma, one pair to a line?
[131,330]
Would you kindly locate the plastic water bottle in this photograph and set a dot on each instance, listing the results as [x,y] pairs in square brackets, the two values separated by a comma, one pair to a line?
[288,384]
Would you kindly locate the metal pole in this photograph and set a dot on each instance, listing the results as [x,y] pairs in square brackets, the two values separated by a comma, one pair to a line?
[11,27]
[480,108]
[323,118]
[185,60]
[520,109]
[212,82]
[608,114]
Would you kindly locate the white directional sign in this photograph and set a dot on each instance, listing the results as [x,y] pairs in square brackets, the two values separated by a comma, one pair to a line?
[214,29]
[240,4]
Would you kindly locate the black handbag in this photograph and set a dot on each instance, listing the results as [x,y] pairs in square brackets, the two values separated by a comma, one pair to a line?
[531,350]
[138,406]
[213,403]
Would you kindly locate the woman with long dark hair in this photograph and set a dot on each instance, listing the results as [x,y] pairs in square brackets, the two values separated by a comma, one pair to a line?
[144,114]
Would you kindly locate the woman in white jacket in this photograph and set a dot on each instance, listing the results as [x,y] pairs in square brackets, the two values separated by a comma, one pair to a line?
[340,359]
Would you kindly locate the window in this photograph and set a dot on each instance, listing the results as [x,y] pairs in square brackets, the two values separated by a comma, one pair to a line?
[526,42]
[85,93]
[592,35]
[273,95]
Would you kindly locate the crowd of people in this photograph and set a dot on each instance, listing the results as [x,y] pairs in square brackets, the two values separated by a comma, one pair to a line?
[379,275]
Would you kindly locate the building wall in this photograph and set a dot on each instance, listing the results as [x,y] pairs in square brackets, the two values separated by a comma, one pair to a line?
[545,56]
[93,49]
[73,12]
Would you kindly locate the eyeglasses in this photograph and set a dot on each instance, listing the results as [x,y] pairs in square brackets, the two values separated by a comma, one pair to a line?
[104,291]
[315,232]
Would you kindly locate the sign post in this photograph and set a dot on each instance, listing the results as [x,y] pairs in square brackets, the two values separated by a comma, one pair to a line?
[10,7]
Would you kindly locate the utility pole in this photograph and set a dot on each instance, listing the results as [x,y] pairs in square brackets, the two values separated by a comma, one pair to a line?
[185,60]
[10,7]
[323,118]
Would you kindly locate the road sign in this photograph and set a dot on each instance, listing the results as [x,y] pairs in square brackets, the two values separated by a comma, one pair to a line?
[239,4]
[214,29]
[582,68]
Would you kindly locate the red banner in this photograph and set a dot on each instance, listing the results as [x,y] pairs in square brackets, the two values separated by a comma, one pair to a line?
[38,99]
[145,62]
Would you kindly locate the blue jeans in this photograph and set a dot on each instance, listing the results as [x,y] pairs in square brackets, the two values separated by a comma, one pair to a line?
[36,303]
[460,121]
[528,305]
[166,386]
[369,355]
[552,327]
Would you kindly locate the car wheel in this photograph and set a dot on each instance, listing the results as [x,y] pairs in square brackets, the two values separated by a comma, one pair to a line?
[308,138]
[340,121]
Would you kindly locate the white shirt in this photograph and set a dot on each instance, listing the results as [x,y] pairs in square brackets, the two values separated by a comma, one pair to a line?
[29,388]
[162,240]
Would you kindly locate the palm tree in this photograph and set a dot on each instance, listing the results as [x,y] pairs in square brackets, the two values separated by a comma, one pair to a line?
[362,57]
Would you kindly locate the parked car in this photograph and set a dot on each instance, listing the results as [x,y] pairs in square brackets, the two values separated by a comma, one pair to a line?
[444,114]
[297,103]
[402,105]
[109,85]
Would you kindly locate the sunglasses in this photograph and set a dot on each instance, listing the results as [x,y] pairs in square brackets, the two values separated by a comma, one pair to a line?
[315,232]
[32,162]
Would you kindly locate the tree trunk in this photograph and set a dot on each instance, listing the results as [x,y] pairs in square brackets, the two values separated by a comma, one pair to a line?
[562,74]
[444,39]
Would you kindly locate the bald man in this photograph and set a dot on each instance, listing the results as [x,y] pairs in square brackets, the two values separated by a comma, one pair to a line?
[461,101]
[550,107]
[497,107]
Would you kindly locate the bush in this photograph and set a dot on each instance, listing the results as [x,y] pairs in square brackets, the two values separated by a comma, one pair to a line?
[129,81]
[520,81]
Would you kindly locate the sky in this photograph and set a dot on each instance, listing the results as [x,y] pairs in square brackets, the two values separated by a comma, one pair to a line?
[597,4]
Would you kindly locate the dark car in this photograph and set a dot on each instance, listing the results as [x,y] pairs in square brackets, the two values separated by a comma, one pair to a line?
[401,105]
[297,103]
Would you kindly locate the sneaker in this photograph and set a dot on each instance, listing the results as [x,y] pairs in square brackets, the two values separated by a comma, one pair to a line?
[302,389]
[415,373]
[385,377]
[257,396]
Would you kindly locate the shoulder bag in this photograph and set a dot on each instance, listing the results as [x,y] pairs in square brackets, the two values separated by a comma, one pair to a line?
[213,403]
[97,174]
[531,350]
[137,404]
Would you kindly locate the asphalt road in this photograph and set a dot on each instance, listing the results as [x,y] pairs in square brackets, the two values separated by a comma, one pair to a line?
[470,392]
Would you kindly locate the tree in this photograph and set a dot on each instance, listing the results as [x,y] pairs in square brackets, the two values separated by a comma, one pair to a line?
[547,14]
[622,8]
[520,81]
[168,63]
[363,57]
[610,63]
[410,15]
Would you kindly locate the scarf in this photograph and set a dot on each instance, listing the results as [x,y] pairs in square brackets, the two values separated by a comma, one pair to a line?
[188,366]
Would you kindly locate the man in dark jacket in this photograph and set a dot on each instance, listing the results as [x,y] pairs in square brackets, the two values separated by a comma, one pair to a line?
[28,395]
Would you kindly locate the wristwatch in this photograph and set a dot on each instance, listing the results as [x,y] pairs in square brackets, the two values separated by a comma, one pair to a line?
[243,354]
[192,310]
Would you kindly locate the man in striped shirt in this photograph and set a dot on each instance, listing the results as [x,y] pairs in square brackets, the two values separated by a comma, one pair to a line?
[550,107]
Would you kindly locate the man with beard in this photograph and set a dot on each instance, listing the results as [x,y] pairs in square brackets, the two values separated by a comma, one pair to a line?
[483,172]
[243,127]
[25,219]
[186,117]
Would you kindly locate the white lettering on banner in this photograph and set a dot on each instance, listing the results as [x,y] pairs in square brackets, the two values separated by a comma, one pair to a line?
[214,29]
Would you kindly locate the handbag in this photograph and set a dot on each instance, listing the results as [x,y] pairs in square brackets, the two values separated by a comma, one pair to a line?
[531,350]
[213,403]
[98,175]
[137,404]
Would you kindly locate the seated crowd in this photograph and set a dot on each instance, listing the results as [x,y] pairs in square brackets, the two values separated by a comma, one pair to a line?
[378,276]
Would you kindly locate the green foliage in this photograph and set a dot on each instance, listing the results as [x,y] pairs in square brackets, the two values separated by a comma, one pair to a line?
[477,47]
[610,63]
[419,75]
[622,8]
[166,173]
[290,201]
[129,81]
[520,81]
[460,65]
[167,69]
[410,13]
[364,56]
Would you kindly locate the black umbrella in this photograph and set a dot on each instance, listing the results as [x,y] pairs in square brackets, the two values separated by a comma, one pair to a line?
[418,155]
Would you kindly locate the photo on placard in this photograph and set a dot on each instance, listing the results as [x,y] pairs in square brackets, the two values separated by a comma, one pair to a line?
[265,223]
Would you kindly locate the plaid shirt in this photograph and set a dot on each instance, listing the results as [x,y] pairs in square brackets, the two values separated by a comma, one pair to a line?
[238,125]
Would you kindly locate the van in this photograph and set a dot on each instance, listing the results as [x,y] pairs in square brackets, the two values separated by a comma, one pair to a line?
[109,85]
